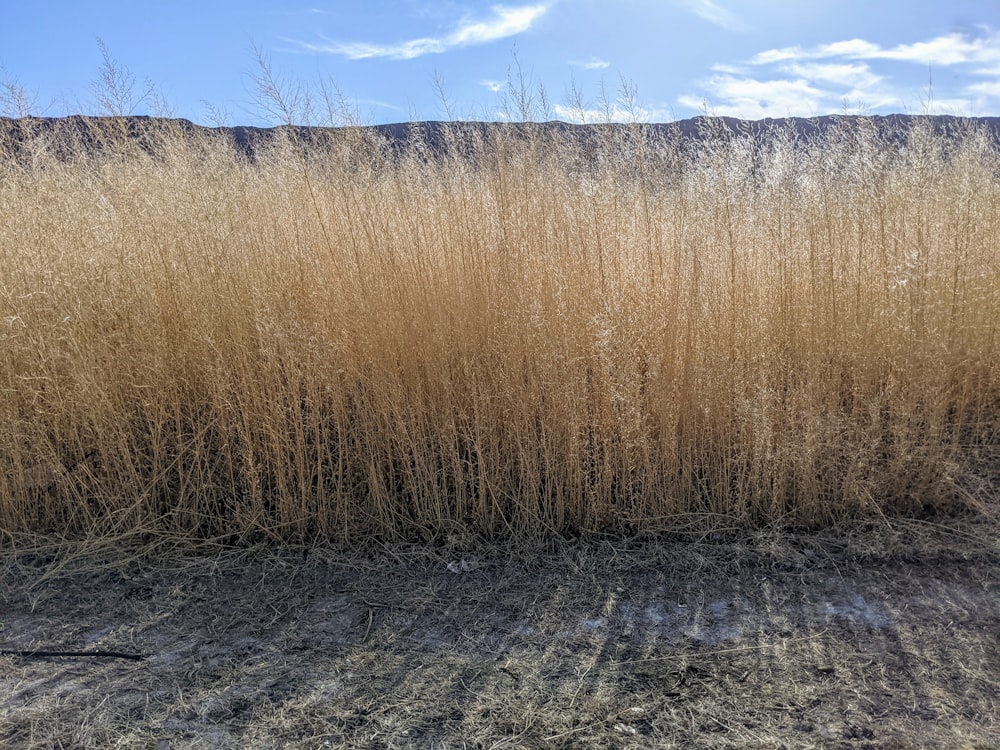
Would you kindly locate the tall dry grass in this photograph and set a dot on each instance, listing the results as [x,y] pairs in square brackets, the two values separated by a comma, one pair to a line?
[511,336]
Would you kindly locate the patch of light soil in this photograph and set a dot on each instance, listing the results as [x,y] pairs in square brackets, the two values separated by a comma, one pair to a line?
[722,620]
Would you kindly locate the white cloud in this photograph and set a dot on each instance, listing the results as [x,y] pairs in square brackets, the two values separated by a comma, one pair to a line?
[587,116]
[865,100]
[380,104]
[839,76]
[814,91]
[734,70]
[858,75]
[494,86]
[950,49]
[852,48]
[854,85]
[711,11]
[594,63]
[952,106]
[755,99]
[506,21]
[986,88]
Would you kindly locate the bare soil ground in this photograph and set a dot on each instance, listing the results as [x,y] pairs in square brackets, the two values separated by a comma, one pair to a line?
[879,637]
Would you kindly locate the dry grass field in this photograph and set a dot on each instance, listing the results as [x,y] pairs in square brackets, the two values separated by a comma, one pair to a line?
[519,440]
[508,335]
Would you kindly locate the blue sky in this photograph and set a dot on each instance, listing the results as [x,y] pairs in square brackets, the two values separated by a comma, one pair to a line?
[655,60]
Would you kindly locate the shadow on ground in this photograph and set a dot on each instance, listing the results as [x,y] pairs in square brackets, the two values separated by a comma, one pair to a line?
[881,638]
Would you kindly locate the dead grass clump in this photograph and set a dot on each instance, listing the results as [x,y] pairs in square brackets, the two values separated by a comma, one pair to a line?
[348,341]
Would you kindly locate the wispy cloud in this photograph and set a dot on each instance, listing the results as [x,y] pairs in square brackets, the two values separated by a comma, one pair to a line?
[711,11]
[800,81]
[594,63]
[378,103]
[853,48]
[494,86]
[736,70]
[505,21]
[946,50]
[986,88]
[616,113]
[856,75]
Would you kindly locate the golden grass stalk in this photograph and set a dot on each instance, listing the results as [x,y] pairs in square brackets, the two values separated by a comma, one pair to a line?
[347,342]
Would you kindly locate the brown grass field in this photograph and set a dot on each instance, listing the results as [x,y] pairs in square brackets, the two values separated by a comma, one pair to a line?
[510,443]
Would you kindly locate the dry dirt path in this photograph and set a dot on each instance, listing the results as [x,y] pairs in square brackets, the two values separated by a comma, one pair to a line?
[878,639]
